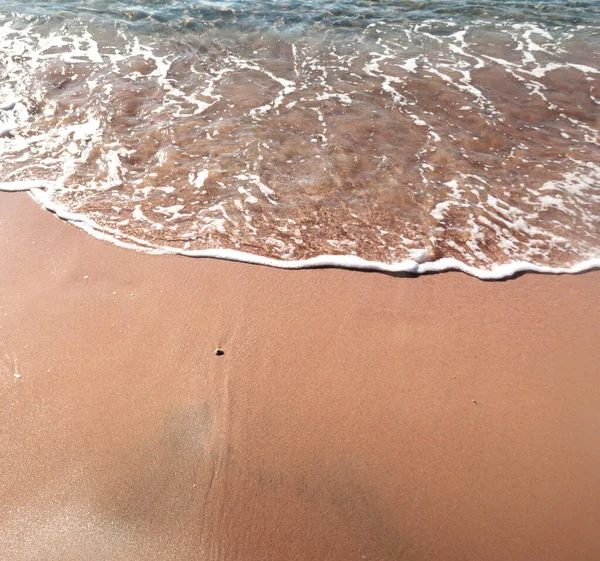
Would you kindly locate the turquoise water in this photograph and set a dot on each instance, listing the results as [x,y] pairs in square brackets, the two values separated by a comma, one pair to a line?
[296,16]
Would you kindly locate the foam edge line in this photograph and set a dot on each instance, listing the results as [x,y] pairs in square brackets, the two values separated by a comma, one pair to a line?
[498,272]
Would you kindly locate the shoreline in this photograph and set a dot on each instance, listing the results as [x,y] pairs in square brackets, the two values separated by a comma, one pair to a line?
[350,262]
[351,416]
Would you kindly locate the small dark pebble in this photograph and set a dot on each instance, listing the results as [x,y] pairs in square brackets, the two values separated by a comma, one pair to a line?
[219,352]
[475,402]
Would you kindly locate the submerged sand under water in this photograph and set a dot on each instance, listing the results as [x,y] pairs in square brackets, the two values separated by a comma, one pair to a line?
[417,141]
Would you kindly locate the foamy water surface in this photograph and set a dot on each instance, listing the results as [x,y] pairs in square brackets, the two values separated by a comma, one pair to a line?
[391,135]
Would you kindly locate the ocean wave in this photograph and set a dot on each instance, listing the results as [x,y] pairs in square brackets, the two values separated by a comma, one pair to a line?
[414,266]
[414,146]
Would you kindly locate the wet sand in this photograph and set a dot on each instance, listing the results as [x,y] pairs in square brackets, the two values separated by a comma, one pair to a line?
[353,415]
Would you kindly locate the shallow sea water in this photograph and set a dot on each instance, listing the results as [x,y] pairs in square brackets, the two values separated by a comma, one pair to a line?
[410,135]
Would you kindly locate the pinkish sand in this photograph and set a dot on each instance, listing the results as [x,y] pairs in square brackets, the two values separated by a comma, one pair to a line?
[353,415]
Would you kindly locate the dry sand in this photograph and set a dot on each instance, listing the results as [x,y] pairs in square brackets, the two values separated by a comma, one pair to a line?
[353,415]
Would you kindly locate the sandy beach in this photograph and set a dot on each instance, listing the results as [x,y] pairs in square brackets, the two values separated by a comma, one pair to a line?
[352,415]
